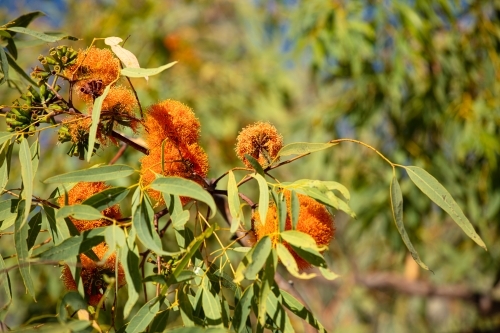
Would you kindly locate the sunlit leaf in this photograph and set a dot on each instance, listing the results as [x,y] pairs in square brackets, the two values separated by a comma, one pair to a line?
[35,157]
[276,312]
[79,212]
[263,197]
[130,262]
[301,311]
[234,202]
[441,197]
[397,213]
[294,208]
[101,173]
[143,72]
[299,148]
[20,236]
[96,118]
[185,188]
[243,309]
[27,175]
[258,257]
[8,213]
[289,262]
[73,246]
[5,281]
[144,316]
[107,198]
[5,159]
[212,308]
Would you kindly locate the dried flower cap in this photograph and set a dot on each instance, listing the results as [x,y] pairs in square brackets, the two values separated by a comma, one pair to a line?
[261,141]
[186,161]
[171,120]
[82,191]
[314,220]
[94,64]
[92,274]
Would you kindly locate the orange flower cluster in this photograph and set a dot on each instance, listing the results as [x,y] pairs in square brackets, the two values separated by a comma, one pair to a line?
[91,272]
[261,141]
[314,220]
[95,69]
[174,125]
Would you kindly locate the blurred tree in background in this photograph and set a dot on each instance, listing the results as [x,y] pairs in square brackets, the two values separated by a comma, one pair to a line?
[416,79]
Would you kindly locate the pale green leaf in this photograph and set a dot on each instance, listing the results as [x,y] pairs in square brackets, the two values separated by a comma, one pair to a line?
[289,262]
[295,209]
[27,175]
[263,197]
[233,201]
[75,245]
[101,173]
[301,311]
[79,212]
[96,118]
[20,236]
[258,257]
[40,35]
[299,148]
[143,72]
[143,317]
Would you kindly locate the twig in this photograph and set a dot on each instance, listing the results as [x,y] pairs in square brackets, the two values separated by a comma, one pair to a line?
[118,154]
[129,142]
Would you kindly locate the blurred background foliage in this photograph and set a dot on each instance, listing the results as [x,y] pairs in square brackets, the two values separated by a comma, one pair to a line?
[417,79]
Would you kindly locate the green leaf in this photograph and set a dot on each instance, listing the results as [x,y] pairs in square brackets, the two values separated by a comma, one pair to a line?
[266,285]
[12,47]
[289,262]
[115,235]
[130,262]
[19,70]
[243,309]
[40,35]
[276,313]
[35,156]
[185,188]
[58,227]
[255,164]
[5,281]
[5,159]
[96,118]
[295,208]
[107,198]
[198,330]
[20,236]
[441,197]
[301,311]
[263,197]
[143,72]
[73,246]
[142,220]
[300,239]
[397,213]
[79,212]
[4,66]
[234,202]
[159,322]
[35,225]
[4,136]
[72,299]
[27,175]
[300,148]
[144,316]
[23,20]
[186,309]
[8,213]
[101,173]
[212,308]
[328,274]
[259,256]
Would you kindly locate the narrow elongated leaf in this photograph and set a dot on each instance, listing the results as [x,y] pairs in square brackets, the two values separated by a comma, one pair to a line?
[299,148]
[186,310]
[289,262]
[397,213]
[40,35]
[185,188]
[276,312]
[4,136]
[72,299]
[8,213]
[79,212]
[259,256]
[144,316]
[192,248]
[233,201]
[11,46]
[4,66]
[73,246]
[263,197]
[35,225]
[211,307]
[5,281]
[35,157]
[101,173]
[441,197]
[27,175]
[20,236]
[58,227]
[243,309]
[107,198]
[255,164]
[143,72]
[301,311]
[23,20]
[5,159]
[96,117]
[130,262]
[159,322]
[266,285]
[299,239]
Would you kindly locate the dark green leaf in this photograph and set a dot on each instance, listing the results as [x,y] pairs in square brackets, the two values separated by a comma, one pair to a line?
[96,117]
[73,246]
[4,66]
[185,188]
[72,299]
[186,309]
[40,35]
[397,213]
[5,281]
[12,47]
[301,311]
[100,173]
[277,314]
[5,159]
[299,148]
[35,225]
[23,20]
[130,262]
[441,197]
[20,236]
[266,285]
[107,198]
[159,322]
[255,164]
[242,310]
[143,72]
[58,227]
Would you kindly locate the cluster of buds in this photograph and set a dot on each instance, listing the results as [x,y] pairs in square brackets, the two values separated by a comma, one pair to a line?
[78,134]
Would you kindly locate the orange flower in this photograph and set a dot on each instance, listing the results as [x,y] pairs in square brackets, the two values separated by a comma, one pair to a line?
[92,274]
[171,120]
[261,141]
[186,161]
[94,64]
[82,191]
[314,220]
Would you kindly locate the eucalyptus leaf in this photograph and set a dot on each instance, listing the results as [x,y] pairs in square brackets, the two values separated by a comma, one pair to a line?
[101,173]
[143,72]
[20,236]
[40,35]
[75,245]
[263,197]
[107,198]
[79,212]
[234,202]
[300,148]
[96,117]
